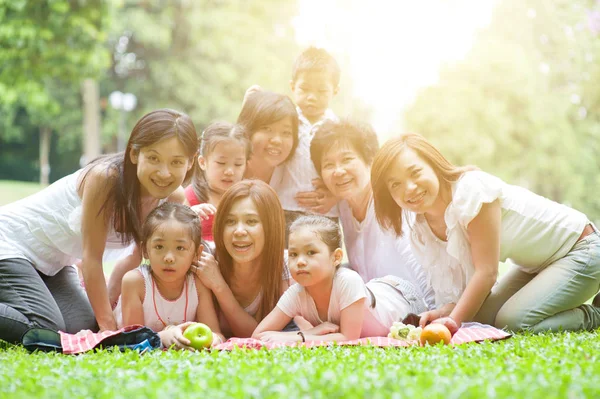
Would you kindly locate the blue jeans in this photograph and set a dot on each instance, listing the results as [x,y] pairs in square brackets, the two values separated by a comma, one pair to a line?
[552,299]
[30,299]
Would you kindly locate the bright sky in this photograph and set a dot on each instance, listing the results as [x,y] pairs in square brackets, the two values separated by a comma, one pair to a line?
[394,47]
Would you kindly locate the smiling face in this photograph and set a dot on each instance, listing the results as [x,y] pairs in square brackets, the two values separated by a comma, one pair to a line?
[171,251]
[244,235]
[224,165]
[312,92]
[344,172]
[311,262]
[161,167]
[412,183]
[273,143]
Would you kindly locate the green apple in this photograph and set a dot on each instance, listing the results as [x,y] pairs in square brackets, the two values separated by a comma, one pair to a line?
[200,335]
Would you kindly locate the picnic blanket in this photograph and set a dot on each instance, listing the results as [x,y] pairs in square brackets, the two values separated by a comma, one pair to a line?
[469,332]
[135,337]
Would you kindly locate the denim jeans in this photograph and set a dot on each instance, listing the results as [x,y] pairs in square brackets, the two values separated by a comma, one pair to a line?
[30,299]
[552,299]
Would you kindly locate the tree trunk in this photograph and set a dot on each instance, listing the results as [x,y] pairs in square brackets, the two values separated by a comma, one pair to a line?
[91,121]
[45,134]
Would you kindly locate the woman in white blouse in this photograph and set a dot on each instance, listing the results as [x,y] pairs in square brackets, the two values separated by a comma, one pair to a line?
[467,221]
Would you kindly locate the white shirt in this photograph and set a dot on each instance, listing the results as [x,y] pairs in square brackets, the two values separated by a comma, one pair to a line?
[534,232]
[297,173]
[374,252]
[172,312]
[348,287]
[45,228]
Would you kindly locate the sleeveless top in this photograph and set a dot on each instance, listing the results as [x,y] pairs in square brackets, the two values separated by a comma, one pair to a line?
[207,225]
[534,233]
[160,312]
[45,229]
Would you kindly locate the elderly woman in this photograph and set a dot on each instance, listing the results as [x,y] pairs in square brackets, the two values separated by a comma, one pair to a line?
[342,153]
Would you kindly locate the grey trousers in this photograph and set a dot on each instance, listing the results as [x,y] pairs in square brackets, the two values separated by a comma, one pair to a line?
[30,299]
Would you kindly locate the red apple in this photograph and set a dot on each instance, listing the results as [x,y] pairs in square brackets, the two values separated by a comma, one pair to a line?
[200,335]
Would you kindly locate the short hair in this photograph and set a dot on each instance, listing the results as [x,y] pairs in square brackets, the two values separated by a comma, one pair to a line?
[360,136]
[265,107]
[328,231]
[273,220]
[172,211]
[389,214]
[316,59]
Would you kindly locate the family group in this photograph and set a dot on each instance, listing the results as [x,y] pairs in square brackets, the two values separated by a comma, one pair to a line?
[244,229]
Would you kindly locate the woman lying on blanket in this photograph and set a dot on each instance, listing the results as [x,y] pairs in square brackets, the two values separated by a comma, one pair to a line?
[467,221]
[165,295]
[334,299]
[250,275]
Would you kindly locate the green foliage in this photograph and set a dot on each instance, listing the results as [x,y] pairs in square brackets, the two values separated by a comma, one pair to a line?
[199,56]
[48,48]
[544,366]
[523,104]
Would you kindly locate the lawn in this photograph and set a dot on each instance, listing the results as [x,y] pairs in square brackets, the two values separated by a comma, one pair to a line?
[13,190]
[565,365]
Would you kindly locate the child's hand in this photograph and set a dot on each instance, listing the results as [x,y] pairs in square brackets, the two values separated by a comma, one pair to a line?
[323,329]
[172,337]
[207,270]
[251,90]
[428,317]
[204,210]
[449,322]
[276,336]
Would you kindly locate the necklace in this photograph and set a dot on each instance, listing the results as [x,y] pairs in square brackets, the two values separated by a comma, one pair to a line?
[156,308]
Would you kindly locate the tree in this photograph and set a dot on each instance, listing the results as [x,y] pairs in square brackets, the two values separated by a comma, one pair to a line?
[48,48]
[523,104]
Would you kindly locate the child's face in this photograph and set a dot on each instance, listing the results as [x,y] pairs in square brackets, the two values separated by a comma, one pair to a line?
[243,234]
[310,260]
[224,166]
[344,172]
[272,143]
[171,251]
[412,183]
[312,92]
[161,167]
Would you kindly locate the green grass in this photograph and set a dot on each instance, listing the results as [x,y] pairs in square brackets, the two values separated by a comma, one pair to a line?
[15,190]
[565,365]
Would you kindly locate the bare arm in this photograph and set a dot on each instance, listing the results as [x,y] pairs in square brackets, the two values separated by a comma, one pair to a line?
[275,321]
[206,310]
[94,229]
[484,236]
[132,299]
[122,266]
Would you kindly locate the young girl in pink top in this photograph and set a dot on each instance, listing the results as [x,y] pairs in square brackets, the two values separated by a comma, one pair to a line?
[164,295]
[224,152]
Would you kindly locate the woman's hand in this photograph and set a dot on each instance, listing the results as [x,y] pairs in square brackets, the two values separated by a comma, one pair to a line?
[204,211]
[323,329]
[172,337]
[318,201]
[207,270]
[428,317]
[449,323]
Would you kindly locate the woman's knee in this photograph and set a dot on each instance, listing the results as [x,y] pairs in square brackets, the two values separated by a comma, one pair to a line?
[512,319]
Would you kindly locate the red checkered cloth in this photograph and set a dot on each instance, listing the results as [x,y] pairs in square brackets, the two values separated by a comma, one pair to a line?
[86,341]
[469,332]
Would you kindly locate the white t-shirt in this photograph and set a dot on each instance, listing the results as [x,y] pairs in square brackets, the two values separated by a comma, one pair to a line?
[374,252]
[297,173]
[45,229]
[348,287]
[534,233]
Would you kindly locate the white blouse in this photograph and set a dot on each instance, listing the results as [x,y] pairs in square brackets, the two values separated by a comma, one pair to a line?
[45,228]
[534,232]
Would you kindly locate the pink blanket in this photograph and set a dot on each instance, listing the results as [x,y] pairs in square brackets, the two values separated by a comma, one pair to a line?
[469,332]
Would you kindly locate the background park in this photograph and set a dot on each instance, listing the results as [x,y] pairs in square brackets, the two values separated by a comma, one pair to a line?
[507,85]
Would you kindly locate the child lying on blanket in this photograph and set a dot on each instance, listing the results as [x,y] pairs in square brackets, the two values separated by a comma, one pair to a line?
[165,295]
[335,300]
